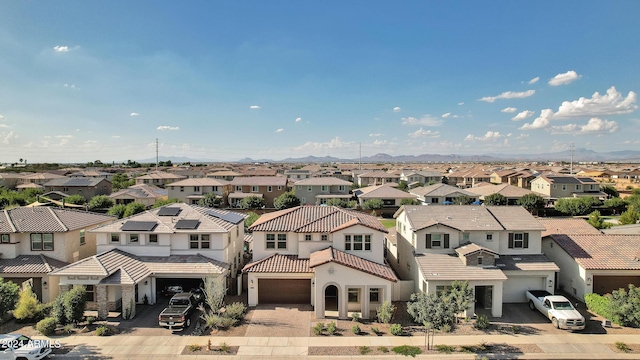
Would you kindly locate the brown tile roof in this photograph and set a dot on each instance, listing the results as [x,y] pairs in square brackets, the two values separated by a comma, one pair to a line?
[277,263]
[471,248]
[515,218]
[449,267]
[461,217]
[440,190]
[378,174]
[382,192]
[47,219]
[567,226]
[141,191]
[539,262]
[199,182]
[327,181]
[259,181]
[314,219]
[602,252]
[339,257]
[507,190]
[30,264]
[160,175]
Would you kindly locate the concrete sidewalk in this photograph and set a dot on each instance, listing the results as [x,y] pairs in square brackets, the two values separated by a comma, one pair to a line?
[564,346]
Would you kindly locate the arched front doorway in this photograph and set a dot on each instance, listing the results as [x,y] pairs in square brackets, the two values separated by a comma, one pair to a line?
[331,301]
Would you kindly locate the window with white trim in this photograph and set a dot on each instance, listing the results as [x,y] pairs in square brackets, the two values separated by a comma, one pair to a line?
[309,188]
[133,238]
[196,188]
[324,188]
[489,237]
[357,242]
[239,188]
[4,238]
[437,241]
[353,295]
[40,241]
[341,188]
[518,241]
[269,188]
[82,237]
[374,295]
[254,189]
[115,237]
[272,243]
[153,238]
[443,289]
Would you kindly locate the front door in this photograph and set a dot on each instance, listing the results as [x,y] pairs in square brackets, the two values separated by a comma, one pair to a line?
[488,297]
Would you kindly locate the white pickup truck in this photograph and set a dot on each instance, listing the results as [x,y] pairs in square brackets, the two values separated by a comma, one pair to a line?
[557,308]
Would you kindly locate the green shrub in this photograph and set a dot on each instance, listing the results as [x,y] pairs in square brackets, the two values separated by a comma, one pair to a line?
[407,350]
[224,347]
[46,326]
[356,329]
[625,305]
[383,349]
[332,328]
[355,317]
[447,349]
[396,329]
[44,310]
[364,350]
[103,331]
[28,306]
[385,312]
[482,322]
[68,329]
[90,320]
[75,303]
[623,347]
[9,293]
[318,329]
[57,310]
[445,328]
[236,310]
[483,346]
[600,305]
[195,347]
[219,322]
[375,330]
[515,329]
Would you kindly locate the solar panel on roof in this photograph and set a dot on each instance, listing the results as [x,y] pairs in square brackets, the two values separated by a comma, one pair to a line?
[139,225]
[187,224]
[169,211]
[231,217]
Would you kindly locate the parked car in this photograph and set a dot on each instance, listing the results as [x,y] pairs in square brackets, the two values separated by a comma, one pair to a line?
[557,308]
[16,346]
[171,290]
[178,313]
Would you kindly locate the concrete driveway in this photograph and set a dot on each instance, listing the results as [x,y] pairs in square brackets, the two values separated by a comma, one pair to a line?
[281,320]
[145,323]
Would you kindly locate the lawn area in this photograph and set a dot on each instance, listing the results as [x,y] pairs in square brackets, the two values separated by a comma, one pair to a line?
[388,223]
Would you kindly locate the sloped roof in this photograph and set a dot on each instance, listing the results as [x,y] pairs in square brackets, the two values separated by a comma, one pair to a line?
[199,182]
[439,190]
[382,192]
[567,226]
[278,263]
[471,248]
[47,219]
[449,267]
[507,190]
[160,175]
[76,181]
[314,219]
[515,218]
[602,251]
[326,181]
[378,174]
[42,176]
[259,181]
[538,262]
[141,191]
[30,264]
[340,257]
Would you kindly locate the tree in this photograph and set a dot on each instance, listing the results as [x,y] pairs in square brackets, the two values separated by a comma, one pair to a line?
[75,303]
[250,219]
[8,296]
[214,289]
[626,306]
[286,200]
[75,199]
[252,202]
[430,309]
[121,181]
[615,203]
[460,296]
[629,217]
[577,206]
[403,186]
[408,201]
[372,204]
[161,203]
[100,202]
[463,200]
[134,208]
[597,221]
[117,210]
[28,306]
[495,199]
[210,200]
[532,202]
[611,191]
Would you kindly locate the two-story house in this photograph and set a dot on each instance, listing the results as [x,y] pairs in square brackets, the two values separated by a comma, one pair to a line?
[317,190]
[468,178]
[390,196]
[190,191]
[496,249]
[423,177]
[86,187]
[298,174]
[142,193]
[371,178]
[36,240]
[512,193]
[266,187]
[326,256]
[440,194]
[554,187]
[140,255]
[159,178]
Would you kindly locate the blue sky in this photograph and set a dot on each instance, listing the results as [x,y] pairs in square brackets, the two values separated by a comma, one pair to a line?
[81,80]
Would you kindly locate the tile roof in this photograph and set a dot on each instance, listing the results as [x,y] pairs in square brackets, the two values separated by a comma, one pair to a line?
[471,248]
[327,181]
[507,190]
[41,176]
[277,263]
[339,257]
[382,191]
[450,267]
[315,219]
[567,226]
[242,195]
[30,186]
[199,182]
[30,264]
[141,191]
[515,218]
[378,174]
[76,181]
[538,262]
[602,251]
[160,175]
[259,181]
[47,219]
[439,190]
[461,217]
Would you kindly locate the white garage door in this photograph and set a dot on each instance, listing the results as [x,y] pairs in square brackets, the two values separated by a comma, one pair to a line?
[514,288]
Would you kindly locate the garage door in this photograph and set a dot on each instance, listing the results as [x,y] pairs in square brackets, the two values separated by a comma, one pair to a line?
[606,284]
[514,288]
[284,291]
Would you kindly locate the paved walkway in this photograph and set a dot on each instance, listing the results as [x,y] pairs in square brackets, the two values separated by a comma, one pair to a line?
[564,346]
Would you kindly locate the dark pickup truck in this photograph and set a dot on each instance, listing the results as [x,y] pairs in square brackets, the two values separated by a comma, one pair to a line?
[178,313]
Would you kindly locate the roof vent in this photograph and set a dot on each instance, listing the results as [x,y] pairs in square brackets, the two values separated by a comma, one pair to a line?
[517,258]
[449,218]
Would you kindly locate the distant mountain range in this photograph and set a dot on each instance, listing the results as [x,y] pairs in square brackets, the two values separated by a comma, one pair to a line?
[579,155]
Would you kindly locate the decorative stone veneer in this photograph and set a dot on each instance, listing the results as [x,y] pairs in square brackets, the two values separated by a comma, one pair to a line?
[128,301]
[101,299]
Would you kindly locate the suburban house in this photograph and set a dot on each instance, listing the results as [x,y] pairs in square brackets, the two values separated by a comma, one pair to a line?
[266,187]
[512,193]
[140,255]
[39,178]
[86,187]
[37,240]
[227,175]
[259,172]
[344,175]
[142,193]
[371,178]
[390,196]
[10,180]
[424,177]
[440,194]
[92,174]
[496,249]
[554,187]
[317,190]
[468,178]
[594,263]
[192,190]
[298,174]
[501,176]
[326,256]
[158,178]
[521,179]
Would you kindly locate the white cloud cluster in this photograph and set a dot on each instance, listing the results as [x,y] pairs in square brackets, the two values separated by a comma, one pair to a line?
[509,110]
[335,143]
[460,103]
[523,115]
[509,95]
[565,78]
[8,137]
[298,119]
[375,135]
[490,135]
[611,103]
[72,86]
[424,133]
[397,109]
[449,115]
[254,107]
[594,126]
[279,130]
[61,48]
[534,80]
[165,127]
[426,120]
[134,114]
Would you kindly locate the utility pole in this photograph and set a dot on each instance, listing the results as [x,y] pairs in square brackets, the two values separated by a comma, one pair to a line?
[571,166]
[360,158]
[156,154]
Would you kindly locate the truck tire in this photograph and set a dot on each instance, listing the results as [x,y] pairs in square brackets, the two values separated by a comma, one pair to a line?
[555,323]
[531,305]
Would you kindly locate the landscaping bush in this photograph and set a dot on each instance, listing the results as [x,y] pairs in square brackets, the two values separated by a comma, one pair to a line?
[103,331]
[446,328]
[219,322]
[622,346]
[90,320]
[318,329]
[356,329]
[57,310]
[396,329]
[385,312]
[364,350]
[332,328]
[74,304]
[46,326]
[28,306]
[355,317]
[383,349]
[447,349]
[44,310]
[68,329]
[407,350]
[482,322]
[625,304]
[375,330]
[195,347]
[236,310]
[9,293]
[600,305]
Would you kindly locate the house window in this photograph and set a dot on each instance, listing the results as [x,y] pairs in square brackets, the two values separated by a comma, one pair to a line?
[307,237]
[434,200]
[374,295]
[115,237]
[279,187]
[489,237]
[465,236]
[555,186]
[82,239]
[437,241]
[271,241]
[341,188]
[181,188]
[239,188]
[269,188]
[196,188]
[479,260]
[324,188]
[518,240]
[153,238]
[282,241]
[357,242]
[254,189]
[133,238]
[194,241]
[4,238]
[309,188]
[578,187]
[564,187]
[324,237]
[215,188]
[42,242]
[204,241]
[353,295]
[89,293]
[443,289]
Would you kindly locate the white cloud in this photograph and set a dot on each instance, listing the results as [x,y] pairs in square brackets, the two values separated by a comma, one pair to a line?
[449,115]
[165,127]
[380,143]
[490,135]
[61,48]
[523,115]
[424,133]
[564,79]
[540,122]
[64,136]
[460,103]
[534,80]
[426,120]
[298,119]
[255,107]
[335,143]
[375,135]
[594,126]
[8,137]
[116,136]
[4,126]
[134,114]
[521,136]
[611,103]
[509,110]
[73,86]
[509,95]
[396,109]
[279,130]
[2,117]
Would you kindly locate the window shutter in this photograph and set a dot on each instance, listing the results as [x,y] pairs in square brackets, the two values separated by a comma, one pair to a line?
[428,245]
[510,240]
[525,243]
[446,241]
